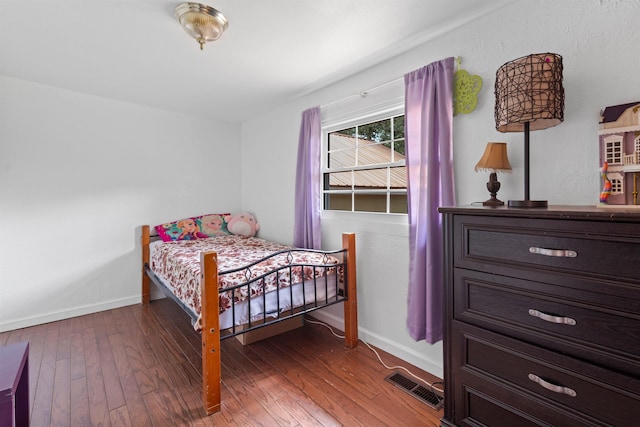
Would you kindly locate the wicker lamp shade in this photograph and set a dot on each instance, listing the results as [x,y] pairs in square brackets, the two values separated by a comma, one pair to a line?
[529,90]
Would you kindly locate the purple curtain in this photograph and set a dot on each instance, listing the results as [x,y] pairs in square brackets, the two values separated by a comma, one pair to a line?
[429,159]
[306,226]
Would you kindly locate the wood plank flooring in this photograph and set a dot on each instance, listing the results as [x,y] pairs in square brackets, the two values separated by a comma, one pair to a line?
[140,366]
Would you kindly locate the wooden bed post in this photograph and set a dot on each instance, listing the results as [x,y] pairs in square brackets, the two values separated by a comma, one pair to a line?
[145,240]
[351,305]
[211,368]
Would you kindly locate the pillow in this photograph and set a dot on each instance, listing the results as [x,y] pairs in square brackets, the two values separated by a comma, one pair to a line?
[242,224]
[197,227]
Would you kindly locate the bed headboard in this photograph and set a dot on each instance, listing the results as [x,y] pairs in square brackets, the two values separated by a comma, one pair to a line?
[153,234]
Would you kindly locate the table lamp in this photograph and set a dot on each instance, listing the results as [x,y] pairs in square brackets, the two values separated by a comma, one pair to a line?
[529,96]
[494,160]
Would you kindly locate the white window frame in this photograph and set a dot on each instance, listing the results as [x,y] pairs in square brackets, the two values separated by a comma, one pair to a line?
[616,186]
[327,128]
[613,150]
[617,183]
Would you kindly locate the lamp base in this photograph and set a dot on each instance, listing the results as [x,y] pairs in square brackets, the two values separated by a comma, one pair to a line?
[493,202]
[493,186]
[528,203]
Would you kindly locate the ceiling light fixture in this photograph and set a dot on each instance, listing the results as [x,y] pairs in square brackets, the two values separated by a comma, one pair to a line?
[202,22]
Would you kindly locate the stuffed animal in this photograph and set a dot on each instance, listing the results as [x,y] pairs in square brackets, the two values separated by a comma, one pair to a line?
[242,224]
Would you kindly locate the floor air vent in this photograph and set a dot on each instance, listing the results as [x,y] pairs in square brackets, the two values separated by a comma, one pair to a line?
[418,391]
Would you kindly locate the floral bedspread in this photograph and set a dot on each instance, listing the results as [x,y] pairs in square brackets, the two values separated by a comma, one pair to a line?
[178,263]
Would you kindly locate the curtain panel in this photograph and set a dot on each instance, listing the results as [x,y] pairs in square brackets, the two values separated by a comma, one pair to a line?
[430,184]
[306,226]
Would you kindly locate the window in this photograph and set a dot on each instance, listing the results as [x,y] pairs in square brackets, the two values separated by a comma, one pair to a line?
[616,186]
[613,150]
[364,168]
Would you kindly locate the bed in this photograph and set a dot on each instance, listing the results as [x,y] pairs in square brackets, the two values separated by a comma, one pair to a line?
[227,291]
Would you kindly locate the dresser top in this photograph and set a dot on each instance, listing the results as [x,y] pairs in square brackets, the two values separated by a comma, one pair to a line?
[584,213]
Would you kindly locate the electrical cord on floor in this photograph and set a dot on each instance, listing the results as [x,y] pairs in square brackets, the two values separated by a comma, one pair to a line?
[432,385]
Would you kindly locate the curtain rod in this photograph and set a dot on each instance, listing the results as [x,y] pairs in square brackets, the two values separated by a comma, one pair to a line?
[364,93]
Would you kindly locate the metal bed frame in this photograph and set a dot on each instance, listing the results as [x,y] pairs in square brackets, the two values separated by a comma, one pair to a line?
[211,334]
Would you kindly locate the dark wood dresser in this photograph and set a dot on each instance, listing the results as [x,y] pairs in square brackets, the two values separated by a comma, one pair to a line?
[542,316]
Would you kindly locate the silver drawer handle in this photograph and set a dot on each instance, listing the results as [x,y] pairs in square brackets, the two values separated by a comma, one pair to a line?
[552,319]
[552,387]
[563,253]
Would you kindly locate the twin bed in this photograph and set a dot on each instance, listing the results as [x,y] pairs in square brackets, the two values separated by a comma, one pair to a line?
[230,285]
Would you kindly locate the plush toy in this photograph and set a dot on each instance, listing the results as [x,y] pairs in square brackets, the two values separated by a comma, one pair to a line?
[242,224]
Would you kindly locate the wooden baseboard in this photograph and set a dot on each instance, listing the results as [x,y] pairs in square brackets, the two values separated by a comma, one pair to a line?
[269,331]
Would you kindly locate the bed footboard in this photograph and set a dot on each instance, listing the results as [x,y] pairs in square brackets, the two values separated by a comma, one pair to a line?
[351,304]
[211,367]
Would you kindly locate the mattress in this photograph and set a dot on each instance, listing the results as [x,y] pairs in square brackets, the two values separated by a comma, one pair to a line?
[177,265]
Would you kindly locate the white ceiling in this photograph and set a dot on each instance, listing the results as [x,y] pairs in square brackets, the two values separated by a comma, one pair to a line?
[272,52]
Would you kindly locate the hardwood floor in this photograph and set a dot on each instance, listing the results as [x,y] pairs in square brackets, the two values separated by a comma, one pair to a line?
[140,366]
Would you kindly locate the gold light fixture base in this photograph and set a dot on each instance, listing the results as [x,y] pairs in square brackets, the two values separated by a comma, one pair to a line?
[202,22]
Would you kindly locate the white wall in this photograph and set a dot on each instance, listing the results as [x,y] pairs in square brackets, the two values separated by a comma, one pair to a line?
[78,176]
[600,49]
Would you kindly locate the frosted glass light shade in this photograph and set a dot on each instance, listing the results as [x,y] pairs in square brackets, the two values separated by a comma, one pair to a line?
[203,23]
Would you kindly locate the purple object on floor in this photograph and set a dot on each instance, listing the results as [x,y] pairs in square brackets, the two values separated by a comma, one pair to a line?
[14,385]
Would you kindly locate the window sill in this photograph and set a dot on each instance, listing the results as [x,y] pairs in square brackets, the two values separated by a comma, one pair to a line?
[394,224]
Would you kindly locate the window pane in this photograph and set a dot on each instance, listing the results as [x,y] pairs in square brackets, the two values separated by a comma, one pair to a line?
[376,131]
[342,139]
[338,202]
[398,147]
[370,179]
[398,127]
[398,177]
[398,204]
[341,159]
[338,180]
[374,154]
[370,203]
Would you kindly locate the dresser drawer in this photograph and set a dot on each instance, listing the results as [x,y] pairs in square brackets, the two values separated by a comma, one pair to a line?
[494,405]
[547,386]
[585,248]
[600,327]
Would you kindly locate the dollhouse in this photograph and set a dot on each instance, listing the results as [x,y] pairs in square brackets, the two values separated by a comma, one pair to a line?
[619,138]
